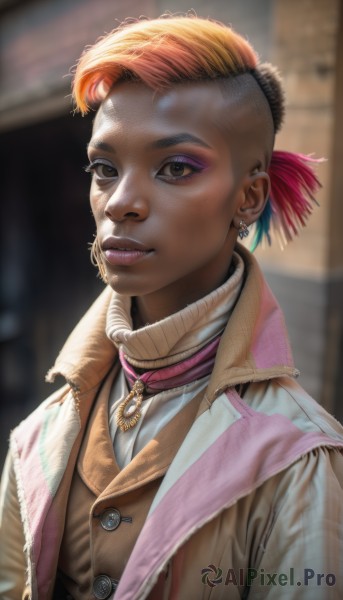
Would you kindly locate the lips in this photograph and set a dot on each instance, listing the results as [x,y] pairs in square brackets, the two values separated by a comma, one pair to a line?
[126,244]
[124,251]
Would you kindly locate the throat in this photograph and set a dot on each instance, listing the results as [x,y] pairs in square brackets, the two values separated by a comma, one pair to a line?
[149,309]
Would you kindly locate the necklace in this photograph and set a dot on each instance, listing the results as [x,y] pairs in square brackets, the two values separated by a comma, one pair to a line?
[195,367]
[128,417]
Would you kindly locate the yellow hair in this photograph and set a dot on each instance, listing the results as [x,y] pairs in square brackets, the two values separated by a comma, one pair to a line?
[160,52]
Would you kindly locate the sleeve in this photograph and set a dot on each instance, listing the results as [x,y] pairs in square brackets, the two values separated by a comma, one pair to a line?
[12,557]
[301,554]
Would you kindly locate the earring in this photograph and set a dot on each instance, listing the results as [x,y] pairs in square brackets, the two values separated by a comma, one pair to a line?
[97,261]
[243,230]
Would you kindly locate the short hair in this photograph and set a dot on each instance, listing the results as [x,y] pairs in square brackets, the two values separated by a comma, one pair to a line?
[168,50]
[174,49]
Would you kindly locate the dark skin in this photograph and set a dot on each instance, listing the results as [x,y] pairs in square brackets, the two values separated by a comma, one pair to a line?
[173,176]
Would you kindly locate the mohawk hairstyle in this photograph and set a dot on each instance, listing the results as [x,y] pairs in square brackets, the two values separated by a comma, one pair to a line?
[269,80]
[174,49]
[164,51]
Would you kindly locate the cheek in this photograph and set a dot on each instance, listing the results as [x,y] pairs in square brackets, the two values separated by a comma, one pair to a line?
[205,225]
[203,229]
[214,211]
[97,202]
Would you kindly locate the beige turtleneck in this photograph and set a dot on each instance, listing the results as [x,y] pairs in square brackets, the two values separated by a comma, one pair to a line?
[161,344]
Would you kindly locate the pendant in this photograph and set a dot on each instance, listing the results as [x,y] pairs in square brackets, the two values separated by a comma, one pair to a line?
[127,418]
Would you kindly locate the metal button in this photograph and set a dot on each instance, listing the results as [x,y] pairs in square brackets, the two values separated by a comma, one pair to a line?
[102,587]
[110,519]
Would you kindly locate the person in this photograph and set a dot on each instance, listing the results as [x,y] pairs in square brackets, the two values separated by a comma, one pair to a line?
[180,459]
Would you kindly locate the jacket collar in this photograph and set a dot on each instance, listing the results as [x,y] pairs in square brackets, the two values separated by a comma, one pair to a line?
[254,346]
[88,354]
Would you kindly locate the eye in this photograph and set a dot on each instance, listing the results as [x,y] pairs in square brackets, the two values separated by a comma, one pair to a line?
[179,168]
[176,169]
[102,170]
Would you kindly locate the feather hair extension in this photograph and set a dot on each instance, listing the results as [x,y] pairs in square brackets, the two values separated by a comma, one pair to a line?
[290,203]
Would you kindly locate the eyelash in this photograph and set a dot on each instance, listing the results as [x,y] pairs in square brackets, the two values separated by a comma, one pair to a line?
[91,168]
[184,161]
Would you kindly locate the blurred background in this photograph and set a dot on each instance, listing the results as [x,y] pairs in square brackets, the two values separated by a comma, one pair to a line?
[47,281]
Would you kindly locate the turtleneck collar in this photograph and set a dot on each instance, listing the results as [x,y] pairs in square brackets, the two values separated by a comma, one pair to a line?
[178,336]
[253,347]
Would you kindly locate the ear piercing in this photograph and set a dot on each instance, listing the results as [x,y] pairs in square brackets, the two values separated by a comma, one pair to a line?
[243,230]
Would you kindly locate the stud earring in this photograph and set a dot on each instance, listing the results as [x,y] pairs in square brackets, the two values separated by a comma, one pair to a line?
[243,230]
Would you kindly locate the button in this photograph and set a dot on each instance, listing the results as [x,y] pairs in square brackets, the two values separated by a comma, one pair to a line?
[102,587]
[110,519]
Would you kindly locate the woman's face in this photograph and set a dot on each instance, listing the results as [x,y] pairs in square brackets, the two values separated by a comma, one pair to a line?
[163,193]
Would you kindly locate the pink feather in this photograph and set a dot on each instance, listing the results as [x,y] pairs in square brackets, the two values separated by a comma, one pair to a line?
[293,185]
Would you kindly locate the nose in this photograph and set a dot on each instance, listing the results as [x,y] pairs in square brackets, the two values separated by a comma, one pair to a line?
[128,201]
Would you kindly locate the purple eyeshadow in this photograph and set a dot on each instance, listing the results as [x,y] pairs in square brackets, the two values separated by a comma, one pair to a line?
[195,163]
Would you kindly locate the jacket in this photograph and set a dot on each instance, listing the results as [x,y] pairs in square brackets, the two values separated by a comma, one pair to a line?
[251,505]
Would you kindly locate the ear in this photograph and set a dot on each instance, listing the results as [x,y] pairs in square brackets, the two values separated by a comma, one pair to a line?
[252,198]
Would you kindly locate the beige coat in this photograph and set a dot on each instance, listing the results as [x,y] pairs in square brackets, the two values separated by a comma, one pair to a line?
[247,502]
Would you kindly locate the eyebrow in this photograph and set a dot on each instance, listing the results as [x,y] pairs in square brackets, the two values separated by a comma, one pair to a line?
[180,138]
[166,142]
[99,145]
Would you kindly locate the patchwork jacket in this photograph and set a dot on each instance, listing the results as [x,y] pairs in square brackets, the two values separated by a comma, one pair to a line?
[250,507]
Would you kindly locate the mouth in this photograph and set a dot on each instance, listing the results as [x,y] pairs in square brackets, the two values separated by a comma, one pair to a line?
[124,252]
[124,245]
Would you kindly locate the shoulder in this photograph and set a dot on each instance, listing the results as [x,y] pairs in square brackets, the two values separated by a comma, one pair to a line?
[310,487]
[55,416]
[284,396]
[57,398]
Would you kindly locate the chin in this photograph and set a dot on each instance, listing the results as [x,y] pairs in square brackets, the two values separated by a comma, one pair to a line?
[124,285]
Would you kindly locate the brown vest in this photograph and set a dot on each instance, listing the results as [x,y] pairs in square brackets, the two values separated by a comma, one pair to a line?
[98,540]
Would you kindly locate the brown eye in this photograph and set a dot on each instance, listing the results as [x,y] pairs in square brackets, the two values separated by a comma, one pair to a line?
[104,171]
[176,169]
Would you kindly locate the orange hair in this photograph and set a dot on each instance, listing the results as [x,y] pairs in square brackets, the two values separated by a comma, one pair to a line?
[160,52]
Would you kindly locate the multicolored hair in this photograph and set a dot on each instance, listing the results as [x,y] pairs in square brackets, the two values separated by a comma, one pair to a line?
[169,50]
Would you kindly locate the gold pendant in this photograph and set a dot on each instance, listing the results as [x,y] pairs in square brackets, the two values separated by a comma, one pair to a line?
[127,418]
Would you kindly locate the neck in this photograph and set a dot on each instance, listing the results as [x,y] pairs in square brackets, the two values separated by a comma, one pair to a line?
[151,308]
[178,335]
